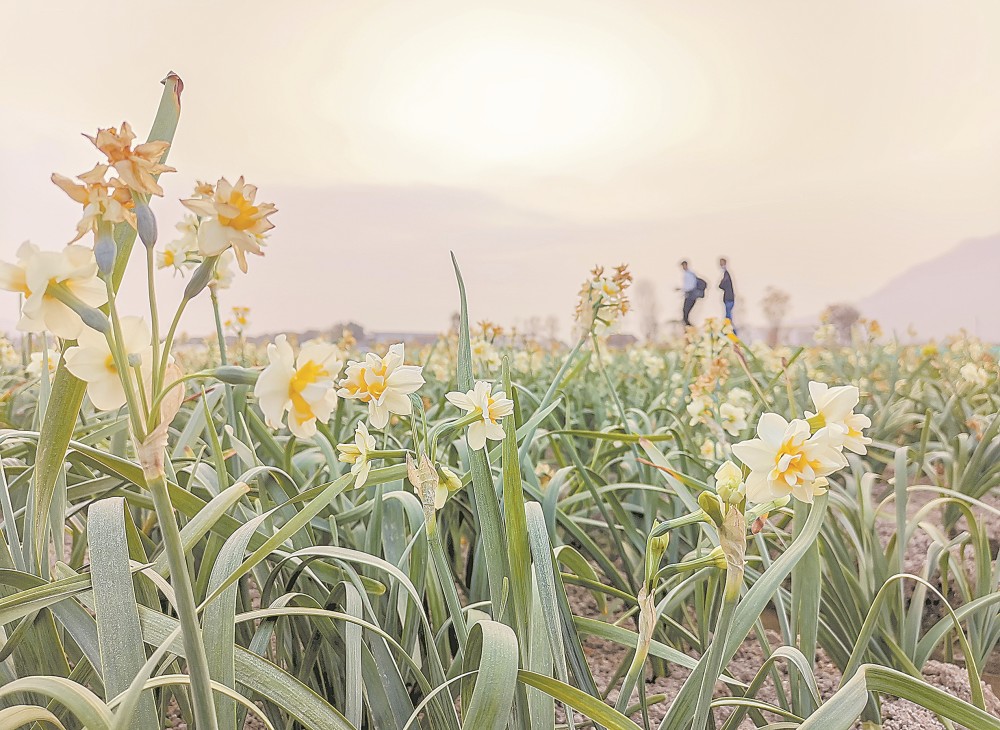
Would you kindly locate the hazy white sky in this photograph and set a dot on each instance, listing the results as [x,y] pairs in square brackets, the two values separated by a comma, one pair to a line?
[823,146]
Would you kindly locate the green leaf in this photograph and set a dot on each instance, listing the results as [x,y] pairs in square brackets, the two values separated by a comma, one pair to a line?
[122,650]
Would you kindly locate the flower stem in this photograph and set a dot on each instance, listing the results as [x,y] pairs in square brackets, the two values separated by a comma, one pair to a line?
[187,611]
[154,319]
[115,343]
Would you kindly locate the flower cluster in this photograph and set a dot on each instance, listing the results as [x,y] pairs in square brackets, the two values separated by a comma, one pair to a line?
[603,298]
[794,458]
[384,383]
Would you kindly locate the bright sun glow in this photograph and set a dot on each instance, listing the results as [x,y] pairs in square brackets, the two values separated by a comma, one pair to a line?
[486,90]
[505,99]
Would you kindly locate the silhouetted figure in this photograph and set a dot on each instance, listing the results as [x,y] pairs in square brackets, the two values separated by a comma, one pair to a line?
[693,288]
[728,297]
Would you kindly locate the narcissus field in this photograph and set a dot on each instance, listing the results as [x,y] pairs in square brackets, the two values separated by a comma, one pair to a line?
[488,532]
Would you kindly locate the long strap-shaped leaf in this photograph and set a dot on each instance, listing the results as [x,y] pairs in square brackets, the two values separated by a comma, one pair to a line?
[87,707]
[269,681]
[122,650]
[485,503]
[488,697]
[840,711]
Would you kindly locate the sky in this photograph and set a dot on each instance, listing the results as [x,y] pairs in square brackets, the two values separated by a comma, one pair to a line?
[822,146]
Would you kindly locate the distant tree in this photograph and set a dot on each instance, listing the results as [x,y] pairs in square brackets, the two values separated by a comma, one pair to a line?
[648,309]
[552,327]
[775,306]
[842,317]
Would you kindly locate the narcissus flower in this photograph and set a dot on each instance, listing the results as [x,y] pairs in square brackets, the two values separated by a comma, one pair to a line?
[302,387]
[785,459]
[181,253]
[98,204]
[222,274]
[384,383]
[974,375]
[73,267]
[91,360]
[357,453]
[40,362]
[835,411]
[490,406]
[137,167]
[734,418]
[231,219]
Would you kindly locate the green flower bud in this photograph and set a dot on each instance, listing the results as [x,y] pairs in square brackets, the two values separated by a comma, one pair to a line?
[105,249]
[145,222]
[233,375]
[201,277]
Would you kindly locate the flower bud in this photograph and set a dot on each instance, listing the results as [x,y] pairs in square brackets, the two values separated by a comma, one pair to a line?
[712,506]
[92,317]
[201,277]
[729,483]
[134,359]
[232,375]
[105,249]
[95,319]
[145,222]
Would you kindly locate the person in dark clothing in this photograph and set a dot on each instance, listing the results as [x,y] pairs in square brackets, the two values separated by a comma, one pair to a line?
[728,297]
[689,285]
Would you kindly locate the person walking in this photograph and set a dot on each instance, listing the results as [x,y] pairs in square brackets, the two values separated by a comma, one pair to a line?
[693,288]
[728,297]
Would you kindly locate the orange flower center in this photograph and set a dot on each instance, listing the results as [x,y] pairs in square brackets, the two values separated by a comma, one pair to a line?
[245,218]
[303,378]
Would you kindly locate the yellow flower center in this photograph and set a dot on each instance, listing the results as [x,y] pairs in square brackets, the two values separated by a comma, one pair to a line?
[245,218]
[791,461]
[168,258]
[109,363]
[303,378]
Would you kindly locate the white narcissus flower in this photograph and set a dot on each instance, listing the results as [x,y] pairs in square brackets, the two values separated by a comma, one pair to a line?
[835,411]
[384,383]
[974,375]
[222,275]
[699,409]
[91,360]
[356,454]
[230,218]
[785,459]
[492,407]
[181,253]
[734,418]
[38,363]
[303,387]
[740,397]
[74,267]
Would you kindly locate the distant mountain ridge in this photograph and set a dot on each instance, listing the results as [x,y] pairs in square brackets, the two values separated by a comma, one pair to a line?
[959,289]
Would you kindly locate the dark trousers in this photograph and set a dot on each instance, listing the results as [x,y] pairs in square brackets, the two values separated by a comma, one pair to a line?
[689,299]
[729,313]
